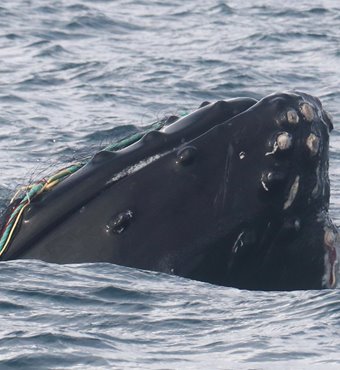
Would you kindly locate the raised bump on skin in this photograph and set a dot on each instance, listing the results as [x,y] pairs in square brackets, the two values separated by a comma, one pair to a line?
[329,237]
[103,155]
[292,117]
[313,144]
[283,142]
[307,111]
[292,193]
[153,136]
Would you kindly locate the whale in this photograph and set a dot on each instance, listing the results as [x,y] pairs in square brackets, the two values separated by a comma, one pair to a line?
[235,193]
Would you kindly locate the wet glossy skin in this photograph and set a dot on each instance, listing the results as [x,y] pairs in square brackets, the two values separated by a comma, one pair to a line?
[235,194]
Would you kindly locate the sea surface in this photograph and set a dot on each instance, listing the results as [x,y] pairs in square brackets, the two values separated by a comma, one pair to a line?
[76,75]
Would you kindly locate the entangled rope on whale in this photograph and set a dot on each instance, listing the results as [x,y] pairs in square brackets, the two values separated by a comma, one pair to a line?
[25,194]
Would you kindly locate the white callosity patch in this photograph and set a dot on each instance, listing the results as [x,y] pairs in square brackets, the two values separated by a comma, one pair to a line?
[292,117]
[283,142]
[307,111]
[330,237]
[330,260]
[292,193]
[134,168]
[313,143]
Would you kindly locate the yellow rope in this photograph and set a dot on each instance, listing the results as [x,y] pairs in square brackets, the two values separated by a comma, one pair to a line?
[49,185]
[13,228]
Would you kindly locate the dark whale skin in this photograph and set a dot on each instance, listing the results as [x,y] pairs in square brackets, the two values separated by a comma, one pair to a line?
[235,194]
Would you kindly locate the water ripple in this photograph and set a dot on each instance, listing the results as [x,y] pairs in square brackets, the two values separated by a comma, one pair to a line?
[76,75]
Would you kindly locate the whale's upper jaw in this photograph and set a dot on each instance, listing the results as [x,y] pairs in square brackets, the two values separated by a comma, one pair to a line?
[236,193]
[294,244]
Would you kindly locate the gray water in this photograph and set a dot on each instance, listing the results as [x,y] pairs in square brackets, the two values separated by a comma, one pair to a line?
[74,76]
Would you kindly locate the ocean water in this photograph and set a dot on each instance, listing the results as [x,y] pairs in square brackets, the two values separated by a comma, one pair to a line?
[76,75]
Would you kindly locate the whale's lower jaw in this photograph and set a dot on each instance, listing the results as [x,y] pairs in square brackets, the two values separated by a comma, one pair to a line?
[236,194]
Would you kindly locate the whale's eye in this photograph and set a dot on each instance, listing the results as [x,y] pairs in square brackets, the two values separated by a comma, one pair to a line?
[186,155]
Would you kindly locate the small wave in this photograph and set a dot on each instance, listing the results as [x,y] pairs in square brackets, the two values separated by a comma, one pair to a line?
[12,99]
[53,51]
[101,22]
